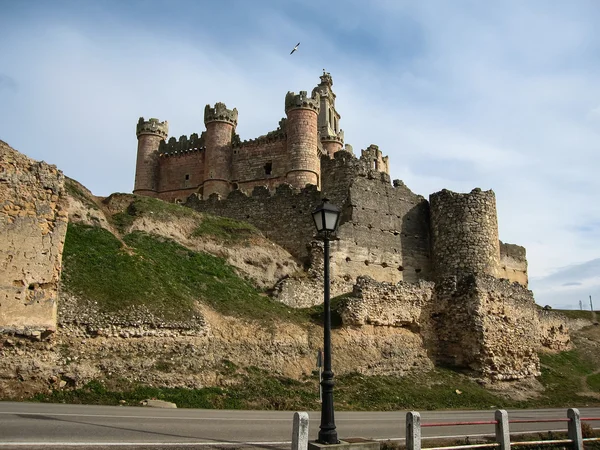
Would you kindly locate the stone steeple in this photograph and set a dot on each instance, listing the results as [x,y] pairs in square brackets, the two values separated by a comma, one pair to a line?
[332,137]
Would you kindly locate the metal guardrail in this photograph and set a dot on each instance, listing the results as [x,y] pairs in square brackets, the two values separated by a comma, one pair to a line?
[502,431]
[501,424]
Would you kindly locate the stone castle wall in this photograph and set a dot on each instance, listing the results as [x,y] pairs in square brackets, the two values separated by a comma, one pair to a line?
[383,232]
[259,162]
[464,233]
[33,224]
[490,326]
[513,263]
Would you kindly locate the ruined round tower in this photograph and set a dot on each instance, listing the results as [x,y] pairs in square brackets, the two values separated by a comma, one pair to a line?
[464,233]
[302,139]
[220,125]
[149,133]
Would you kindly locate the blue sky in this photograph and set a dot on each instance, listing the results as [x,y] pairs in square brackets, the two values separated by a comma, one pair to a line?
[500,95]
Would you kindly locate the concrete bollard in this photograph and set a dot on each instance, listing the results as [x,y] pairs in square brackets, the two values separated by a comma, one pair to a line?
[300,431]
[575,428]
[413,431]
[502,430]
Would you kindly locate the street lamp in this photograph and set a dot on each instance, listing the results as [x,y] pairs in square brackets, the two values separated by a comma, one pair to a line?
[326,218]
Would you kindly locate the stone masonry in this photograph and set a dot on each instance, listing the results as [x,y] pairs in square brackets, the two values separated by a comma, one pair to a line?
[33,224]
[489,326]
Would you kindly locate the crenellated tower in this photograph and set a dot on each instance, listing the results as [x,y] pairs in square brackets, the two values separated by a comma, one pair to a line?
[302,139]
[220,126]
[332,137]
[150,134]
[464,233]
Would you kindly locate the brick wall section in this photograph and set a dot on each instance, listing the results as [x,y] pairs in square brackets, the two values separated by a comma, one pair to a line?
[33,224]
[217,167]
[302,142]
[250,160]
[513,263]
[464,233]
[174,185]
[331,147]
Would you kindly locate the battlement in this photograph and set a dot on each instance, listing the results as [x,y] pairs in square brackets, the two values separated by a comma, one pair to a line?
[182,146]
[339,137]
[271,136]
[302,100]
[152,126]
[220,113]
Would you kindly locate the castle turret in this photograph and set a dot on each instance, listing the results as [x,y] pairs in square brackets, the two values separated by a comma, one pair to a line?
[332,137]
[302,139]
[150,134]
[220,125]
[464,233]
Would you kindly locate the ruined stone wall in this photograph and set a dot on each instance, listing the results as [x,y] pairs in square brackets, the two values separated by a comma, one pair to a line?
[488,325]
[33,224]
[464,233]
[284,216]
[513,263]
[399,304]
[384,231]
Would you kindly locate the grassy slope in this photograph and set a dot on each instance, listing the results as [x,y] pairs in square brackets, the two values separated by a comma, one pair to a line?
[151,269]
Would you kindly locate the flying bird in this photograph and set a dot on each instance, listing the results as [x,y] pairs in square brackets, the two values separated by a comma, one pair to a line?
[295,48]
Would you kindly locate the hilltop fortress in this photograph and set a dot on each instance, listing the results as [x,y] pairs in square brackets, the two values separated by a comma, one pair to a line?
[274,182]
[435,267]
[427,281]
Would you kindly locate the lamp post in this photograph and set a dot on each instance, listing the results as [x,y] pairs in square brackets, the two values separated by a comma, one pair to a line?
[326,218]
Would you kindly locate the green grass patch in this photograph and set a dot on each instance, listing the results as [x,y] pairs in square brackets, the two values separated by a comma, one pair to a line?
[158,273]
[150,207]
[576,313]
[593,381]
[562,376]
[258,389]
[226,230]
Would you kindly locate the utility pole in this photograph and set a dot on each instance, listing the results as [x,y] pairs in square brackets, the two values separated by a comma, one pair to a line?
[591,305]
[580,305]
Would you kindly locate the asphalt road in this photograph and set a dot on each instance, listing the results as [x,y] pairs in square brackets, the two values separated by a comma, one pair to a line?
[50,426]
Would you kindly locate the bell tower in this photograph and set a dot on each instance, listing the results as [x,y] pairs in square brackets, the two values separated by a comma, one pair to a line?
[332,137]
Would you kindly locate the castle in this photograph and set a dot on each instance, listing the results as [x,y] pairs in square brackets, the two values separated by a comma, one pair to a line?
[435,267]
[217,162]
[386,231]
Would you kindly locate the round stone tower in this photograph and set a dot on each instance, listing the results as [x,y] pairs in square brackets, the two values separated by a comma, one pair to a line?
[220,125]
[149,134]
[302,139]
[464,233]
